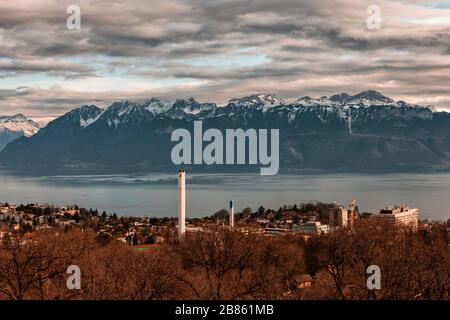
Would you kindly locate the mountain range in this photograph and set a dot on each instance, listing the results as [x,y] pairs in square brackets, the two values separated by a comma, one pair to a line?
[356,133]
[14,127]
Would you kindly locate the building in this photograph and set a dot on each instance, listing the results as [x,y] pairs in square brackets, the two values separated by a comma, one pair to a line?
[311,227]
[8,213]
[181,203]
[263,221]
[276,231]
[338,217]
[399,215]
[231,214]
[303,281]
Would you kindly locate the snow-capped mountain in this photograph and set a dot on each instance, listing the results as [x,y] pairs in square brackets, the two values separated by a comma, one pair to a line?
[14,127]
[19,123]
[123,113]
[156,106]
[120,114]
[366,131]
[364,99]
[360,108]
[343,106]
[181,108]
[263,101]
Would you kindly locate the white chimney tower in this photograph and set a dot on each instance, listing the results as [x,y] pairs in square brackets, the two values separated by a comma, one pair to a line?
[232,214]
[181,203]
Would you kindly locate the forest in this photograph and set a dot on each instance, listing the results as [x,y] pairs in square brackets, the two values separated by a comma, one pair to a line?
[219,263]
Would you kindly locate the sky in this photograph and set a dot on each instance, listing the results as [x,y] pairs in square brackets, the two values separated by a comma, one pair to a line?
[216,50]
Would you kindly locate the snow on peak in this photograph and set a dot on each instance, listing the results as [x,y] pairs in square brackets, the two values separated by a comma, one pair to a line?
[19,123]
[125,112]
[308,101]
[270,99]
[190,106]
[88,115]
[122,112]
[264,100]
[370,97]
[156,106]
[362,99]
[343,97]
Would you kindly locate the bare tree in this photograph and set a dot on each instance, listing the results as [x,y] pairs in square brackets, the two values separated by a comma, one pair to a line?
[31,265]
[224,264]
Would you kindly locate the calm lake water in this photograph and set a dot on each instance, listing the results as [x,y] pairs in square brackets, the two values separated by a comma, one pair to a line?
[156,194]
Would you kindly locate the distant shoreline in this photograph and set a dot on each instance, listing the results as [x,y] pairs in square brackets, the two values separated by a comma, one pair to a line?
[111,170]
[155,194]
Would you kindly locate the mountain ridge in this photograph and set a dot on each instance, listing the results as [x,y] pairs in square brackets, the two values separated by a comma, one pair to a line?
[14,127]
[364,132]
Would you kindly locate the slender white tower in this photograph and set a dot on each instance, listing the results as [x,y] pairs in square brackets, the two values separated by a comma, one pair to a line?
[181,203]
[232,213]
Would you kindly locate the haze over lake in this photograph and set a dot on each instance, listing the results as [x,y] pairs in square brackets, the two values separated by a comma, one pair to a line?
[156,194]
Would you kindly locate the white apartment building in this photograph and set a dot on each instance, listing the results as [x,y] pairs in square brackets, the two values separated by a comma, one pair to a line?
[400,215]
[338,217]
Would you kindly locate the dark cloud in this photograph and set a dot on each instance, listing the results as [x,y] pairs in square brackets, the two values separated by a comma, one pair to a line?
[49,66]
[205,49]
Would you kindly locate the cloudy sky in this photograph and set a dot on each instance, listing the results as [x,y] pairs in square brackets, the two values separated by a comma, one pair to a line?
[219,49]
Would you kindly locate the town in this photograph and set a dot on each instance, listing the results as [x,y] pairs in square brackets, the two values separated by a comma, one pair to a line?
[305,251]
[301,251]
[305,219]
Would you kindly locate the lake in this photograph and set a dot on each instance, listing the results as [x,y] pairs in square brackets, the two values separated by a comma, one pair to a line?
[156,194]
